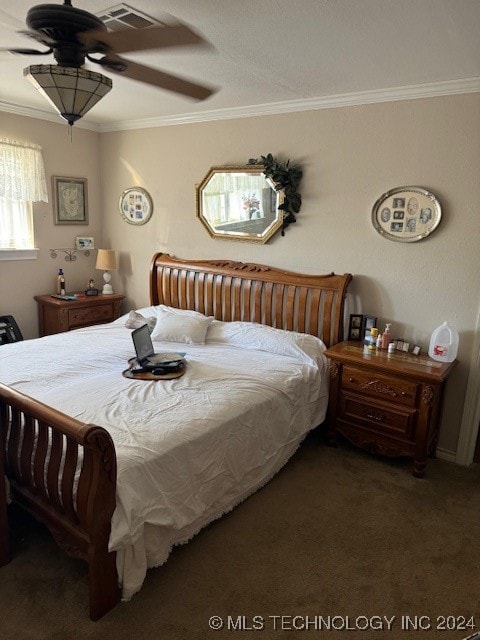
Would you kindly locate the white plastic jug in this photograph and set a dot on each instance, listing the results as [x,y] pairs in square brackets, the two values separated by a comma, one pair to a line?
[444,343]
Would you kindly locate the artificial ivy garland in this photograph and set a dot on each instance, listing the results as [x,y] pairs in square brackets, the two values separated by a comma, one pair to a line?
[286,178]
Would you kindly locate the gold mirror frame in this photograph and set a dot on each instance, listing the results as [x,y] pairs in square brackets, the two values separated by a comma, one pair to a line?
[239,203]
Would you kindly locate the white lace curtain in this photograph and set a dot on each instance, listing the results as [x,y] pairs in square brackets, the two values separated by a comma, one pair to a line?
[22,174]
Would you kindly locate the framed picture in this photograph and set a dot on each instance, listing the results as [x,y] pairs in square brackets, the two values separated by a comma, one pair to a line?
[70,200]
[83,243]
[406,214]
[368,323]
[355,327]
[136,206]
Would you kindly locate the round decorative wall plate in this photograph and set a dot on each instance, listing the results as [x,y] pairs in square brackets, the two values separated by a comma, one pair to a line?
[406,214]
[136,206]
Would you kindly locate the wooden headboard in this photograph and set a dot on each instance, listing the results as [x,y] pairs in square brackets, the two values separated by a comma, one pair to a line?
[231,290]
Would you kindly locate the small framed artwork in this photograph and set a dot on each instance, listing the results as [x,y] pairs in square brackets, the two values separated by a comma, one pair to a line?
[136,206]
[416,350]
[355,327]
[83,243]
[70,200]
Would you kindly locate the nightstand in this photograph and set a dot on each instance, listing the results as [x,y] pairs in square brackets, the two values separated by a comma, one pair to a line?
[56,316]
[387,404]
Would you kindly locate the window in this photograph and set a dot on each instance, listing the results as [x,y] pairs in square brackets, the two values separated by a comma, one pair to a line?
[22,182]
[16,224]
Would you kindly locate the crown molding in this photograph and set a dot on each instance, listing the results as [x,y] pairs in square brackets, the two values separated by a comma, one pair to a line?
[357,98]
[49,116]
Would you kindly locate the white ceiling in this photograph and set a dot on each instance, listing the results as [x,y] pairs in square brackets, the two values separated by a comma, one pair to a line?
[273,55]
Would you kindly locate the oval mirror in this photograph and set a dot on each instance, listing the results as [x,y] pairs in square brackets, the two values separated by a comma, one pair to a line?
[239,203]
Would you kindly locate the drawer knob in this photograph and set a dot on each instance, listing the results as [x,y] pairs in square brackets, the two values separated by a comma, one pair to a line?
[351,380]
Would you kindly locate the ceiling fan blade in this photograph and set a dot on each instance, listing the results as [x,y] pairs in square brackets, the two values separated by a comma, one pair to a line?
[139,39]
[155,77]
[26,52]
[42,38]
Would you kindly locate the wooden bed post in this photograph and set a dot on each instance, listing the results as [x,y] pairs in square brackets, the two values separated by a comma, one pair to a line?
[96,504]
[104,592]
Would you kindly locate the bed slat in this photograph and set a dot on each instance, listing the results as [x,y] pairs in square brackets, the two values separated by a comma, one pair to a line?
[53,468]
[26,453]
[39,459]
[68,477]
[327,312]
[267,297]
[302,309]
[200,292]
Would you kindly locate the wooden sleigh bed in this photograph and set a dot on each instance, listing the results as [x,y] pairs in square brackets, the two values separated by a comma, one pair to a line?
[41,447]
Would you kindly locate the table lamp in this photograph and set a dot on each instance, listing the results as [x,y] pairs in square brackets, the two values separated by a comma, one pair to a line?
[106,261]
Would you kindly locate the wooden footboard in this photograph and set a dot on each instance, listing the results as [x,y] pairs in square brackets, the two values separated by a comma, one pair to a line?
[64,473]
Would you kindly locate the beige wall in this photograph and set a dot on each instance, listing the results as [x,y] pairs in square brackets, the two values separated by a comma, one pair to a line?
[350,157]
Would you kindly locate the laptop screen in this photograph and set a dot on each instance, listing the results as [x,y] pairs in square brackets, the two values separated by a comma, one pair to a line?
[142,342]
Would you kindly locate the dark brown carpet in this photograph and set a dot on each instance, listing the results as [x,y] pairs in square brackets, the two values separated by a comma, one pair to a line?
[337,534]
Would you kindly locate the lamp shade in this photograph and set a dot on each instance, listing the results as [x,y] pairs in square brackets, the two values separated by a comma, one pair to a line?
[71,90]
[106,260]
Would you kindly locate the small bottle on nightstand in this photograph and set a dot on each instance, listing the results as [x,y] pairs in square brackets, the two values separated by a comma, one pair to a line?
[386,336]
[60,288]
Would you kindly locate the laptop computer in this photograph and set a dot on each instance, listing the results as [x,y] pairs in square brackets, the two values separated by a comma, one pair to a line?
[146,356]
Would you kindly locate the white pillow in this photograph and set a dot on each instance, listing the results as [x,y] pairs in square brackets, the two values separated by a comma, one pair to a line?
[180,325]
[136,320]
[252,335]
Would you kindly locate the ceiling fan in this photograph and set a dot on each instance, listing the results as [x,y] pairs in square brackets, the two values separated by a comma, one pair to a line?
[73,36]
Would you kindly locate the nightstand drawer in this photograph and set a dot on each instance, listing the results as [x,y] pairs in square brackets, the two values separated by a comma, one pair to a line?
[384,418]
[386,388]
[90,315]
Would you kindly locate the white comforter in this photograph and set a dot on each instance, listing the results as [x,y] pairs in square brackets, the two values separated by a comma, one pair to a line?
[188,449]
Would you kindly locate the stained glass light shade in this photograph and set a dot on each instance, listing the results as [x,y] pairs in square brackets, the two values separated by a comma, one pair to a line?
[72,91]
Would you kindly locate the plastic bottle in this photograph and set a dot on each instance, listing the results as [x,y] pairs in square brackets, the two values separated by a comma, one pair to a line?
[371,339]
[444,343]
[60,289]
[368,342]
[58,285]
[386,336]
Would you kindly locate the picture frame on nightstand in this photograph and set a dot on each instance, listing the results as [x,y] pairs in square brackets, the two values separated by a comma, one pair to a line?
[368,323]
[355,327]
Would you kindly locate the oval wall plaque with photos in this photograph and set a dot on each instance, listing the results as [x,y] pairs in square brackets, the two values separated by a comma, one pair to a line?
[136,205]
[406,214]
